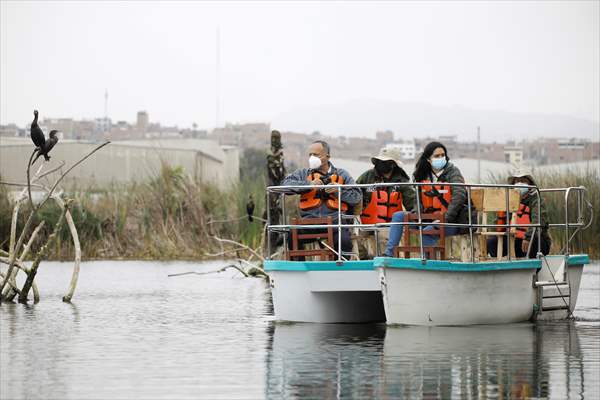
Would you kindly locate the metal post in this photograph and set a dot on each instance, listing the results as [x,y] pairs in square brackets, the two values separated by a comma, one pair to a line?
[567,193]
[268,195]
[478,156]
[470,223]
[418,196]
[283,219]
[339,250]
[580,218]
[539,231]
[507,223]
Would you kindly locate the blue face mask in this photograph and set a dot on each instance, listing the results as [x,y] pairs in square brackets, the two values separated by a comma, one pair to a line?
[438,163]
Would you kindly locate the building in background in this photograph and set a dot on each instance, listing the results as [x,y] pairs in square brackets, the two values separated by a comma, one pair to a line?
[123,162]
[513,155]
[142,121]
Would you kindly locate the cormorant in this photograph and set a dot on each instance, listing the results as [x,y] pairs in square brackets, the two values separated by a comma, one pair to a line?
[42,145]
[37,135]
[47,147]
[250,208]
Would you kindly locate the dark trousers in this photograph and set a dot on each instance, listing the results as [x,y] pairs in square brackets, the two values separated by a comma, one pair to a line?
[492,245]
[346,242]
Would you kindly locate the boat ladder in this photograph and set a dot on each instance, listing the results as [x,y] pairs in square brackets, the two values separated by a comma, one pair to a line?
[554,294]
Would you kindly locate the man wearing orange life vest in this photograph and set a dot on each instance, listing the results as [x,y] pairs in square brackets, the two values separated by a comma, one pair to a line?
[526,214]
[433,166]
[324,202]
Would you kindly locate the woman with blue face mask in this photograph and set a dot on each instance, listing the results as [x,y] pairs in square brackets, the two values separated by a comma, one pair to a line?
[434,167]
[526,244]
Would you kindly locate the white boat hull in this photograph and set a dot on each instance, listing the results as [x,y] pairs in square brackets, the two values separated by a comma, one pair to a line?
[457,298]
[334,295]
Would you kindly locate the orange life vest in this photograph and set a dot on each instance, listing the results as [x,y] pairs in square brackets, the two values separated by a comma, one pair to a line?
[381,207]
[523,218]
[435,197]
[314,198]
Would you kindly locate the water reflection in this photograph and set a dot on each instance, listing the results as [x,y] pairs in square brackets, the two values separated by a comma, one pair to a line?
[372,361]
[151,337]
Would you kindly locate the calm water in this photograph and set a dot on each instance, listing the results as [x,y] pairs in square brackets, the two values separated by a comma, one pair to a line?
[133,333]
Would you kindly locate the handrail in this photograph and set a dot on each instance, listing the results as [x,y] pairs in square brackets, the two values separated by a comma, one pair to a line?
[299,189]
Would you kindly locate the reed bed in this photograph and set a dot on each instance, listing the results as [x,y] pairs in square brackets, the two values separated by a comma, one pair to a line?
[168,217]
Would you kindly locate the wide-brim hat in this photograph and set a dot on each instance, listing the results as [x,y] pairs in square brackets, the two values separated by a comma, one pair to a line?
[387,154]
[520,172]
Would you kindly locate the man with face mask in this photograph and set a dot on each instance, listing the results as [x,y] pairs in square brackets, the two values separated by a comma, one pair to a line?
[526,244]
[380,203]
[316,203]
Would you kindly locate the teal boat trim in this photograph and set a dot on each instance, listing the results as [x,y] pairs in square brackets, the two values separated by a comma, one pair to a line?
[414,263]
[455,266]
[283,265]
[576,259]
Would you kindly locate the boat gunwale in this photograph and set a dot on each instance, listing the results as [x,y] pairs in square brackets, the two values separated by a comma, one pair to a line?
[415,264]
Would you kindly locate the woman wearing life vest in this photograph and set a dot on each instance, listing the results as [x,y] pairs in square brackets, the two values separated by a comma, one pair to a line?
[433,167]
[380,203]
[526,214]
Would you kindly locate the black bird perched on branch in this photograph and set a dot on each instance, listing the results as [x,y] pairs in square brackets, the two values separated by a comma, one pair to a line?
[52,140]
[37,135]
[250,208]
[42,145]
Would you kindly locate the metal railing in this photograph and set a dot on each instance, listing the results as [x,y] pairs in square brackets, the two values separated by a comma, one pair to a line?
[420,223]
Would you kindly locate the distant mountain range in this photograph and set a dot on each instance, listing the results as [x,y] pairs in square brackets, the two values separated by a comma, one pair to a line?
[365,117]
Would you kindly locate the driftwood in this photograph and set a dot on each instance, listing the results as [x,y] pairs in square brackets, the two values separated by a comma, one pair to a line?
[212,272]
[8,287]
[252,270]
[240,245]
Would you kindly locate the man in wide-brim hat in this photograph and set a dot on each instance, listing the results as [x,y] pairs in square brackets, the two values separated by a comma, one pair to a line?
[526,244]
[380,203]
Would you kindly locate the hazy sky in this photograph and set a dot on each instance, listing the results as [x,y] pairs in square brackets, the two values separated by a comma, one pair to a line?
[160,57]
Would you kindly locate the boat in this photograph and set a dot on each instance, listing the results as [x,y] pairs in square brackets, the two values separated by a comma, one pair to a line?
[429,292]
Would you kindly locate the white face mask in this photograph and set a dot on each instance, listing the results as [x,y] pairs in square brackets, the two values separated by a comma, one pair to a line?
[314,162]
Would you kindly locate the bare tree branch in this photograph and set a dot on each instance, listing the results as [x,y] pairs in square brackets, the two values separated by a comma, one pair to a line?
[42,253]
[73,284]
[34,211]
[212,272]
[37,185]
[240,245]
[31,239]
[62,164]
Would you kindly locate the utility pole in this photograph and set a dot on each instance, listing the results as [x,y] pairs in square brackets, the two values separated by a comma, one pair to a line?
[218,80]
[105,105]
[478,155]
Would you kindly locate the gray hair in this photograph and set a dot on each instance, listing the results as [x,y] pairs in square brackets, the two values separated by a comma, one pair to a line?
[324,144]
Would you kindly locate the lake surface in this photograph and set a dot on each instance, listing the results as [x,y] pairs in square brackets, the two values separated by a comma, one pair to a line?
[134,333]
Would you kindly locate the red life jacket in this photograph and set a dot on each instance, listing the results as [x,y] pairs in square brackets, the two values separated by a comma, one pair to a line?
[435,197]
[381,207]
[314,198]
[523,218]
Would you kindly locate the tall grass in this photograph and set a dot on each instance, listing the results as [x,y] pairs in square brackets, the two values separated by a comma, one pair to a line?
[166,217]
[588,241]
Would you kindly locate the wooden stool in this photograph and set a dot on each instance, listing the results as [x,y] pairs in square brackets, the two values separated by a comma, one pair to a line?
[458,247]
[298,236]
